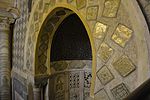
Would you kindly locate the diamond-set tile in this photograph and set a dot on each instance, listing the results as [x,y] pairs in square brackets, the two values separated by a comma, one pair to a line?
[111,8]
[104,75]
[100,30]
[120,91]
[122,35]
[124,66]
[80,4]
[105,52]
[92,12]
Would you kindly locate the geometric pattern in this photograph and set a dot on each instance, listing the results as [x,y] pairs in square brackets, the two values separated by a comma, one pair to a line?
[100,30]
[124,66]
[105,52]
[101,95]
[44,34]
[87,79]
[60,87]
[104,75]
[122,35]
[111,8]
[19,35]
[120,92]
[92,12]
[74,79]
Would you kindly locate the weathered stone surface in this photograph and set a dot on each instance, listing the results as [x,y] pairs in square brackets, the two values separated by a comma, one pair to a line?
[101,95]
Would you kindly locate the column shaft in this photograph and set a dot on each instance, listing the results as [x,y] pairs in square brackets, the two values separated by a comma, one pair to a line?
[4,62]
[37,93]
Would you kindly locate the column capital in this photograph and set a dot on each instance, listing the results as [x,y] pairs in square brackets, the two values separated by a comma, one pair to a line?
[5,23]
[8,16]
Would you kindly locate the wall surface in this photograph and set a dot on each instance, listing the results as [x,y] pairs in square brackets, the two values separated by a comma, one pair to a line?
[118,34]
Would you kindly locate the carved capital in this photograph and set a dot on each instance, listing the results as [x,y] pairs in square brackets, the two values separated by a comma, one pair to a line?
[5,22]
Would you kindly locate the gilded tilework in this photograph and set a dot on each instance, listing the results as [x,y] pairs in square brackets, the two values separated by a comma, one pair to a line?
[100,30]
[101,95]
[81,4]
[122,35]
[105,52]
[92,12]
[104,75]
[111,8]
[120,92]
[124,66]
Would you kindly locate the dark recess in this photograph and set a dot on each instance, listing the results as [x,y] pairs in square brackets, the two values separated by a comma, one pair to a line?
[71,41]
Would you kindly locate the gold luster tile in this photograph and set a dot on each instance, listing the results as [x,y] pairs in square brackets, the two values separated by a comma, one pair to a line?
[124,66]
[81,3]
[122,35]
[110,8]
[100,30]
[92,12]
[104,75]
[104,52]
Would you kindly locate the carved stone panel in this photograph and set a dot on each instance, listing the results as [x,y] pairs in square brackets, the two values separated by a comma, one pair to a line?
[104,75]
[105,52]
[120,92]
[92,12]
[74,89]
[59,65]
[100,30]
[60,87]
[122,35]
[124,65]
[74,94]
[110,8]
[101,95]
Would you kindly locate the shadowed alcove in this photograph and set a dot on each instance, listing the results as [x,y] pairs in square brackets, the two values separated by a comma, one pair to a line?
[70,61]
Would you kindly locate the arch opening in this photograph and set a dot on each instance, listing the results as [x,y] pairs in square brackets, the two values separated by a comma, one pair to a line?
[70,61]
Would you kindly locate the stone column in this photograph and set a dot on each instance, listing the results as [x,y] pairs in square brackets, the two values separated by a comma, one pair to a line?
[4,59]
[37,93]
